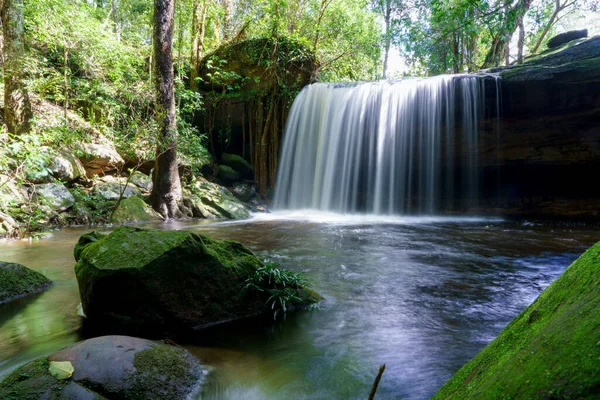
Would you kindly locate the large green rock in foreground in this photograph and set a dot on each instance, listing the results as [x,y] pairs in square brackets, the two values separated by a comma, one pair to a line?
[549,351]
[17,280]
[107,367]
[156,281]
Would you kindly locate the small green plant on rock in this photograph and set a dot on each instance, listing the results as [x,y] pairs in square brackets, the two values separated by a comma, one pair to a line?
[282,285]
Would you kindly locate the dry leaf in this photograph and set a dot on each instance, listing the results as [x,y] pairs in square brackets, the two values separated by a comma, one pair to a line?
[61,369]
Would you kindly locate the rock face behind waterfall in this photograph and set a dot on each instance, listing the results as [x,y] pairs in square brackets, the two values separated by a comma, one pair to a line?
[549,351]
[153,281]
[548,144]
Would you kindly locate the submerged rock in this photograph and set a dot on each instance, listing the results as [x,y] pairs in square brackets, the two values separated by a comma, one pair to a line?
[209,200]
[54,195]
[134,209]
[17,280]
[549,351]
[138,280]
[109,367]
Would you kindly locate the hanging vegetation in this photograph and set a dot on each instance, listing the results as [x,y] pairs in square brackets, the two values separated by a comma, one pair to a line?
[248,88]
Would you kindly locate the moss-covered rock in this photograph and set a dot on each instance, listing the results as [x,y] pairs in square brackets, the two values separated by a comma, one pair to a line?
[227,175]
[109,367]
[209,200]
[134,209]
[239,164]
[11,193]
[549,351]
[147,281]
[17,280]
[54,195]
[111,188]
[141,180]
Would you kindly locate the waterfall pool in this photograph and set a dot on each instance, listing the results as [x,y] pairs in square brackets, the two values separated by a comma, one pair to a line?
[421,294]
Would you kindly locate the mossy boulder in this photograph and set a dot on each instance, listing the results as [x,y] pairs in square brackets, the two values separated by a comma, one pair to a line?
[17,280]
[239,164]
[11,193]
[141,180]
[227,175]
[212,201]
[109,367]
[549,351]
[64,165]
[54,195]
[134,209]
[111,188]
[156,281]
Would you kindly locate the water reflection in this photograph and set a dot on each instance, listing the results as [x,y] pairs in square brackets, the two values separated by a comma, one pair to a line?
[421,296]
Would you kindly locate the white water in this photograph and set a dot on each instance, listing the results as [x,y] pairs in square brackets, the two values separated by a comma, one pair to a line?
[383,147]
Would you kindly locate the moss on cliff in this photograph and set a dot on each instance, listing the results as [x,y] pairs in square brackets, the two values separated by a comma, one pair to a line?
[549,351]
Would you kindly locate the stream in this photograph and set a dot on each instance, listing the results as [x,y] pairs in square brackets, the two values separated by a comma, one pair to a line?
[421,295]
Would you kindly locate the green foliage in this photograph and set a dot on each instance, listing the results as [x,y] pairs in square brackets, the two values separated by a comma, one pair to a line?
[282,285]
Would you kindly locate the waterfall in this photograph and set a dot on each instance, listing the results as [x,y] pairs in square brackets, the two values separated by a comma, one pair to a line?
[387,147]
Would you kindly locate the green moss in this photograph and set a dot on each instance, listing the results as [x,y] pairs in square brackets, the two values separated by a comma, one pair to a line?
[133,209]
[164,372]
[549,351]
[124,249]
[84,240]
[155,280]
[32,382]
[17,280]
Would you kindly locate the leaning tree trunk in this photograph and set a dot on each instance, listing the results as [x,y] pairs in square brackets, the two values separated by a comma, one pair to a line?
[17,108]
[166,191]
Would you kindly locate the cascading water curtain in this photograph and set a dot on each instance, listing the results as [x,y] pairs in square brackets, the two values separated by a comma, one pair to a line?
[400,147]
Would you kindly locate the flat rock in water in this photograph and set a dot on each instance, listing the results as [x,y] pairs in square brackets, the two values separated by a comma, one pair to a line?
[16,280]
[109,367]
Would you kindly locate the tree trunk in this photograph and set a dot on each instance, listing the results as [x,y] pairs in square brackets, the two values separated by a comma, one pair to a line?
[558,7]
[198,32]
[507,33]
[521,40]
[66,85]
[17,107]
[227,13]
[113,7]
[388,35]
[166,191]
[499,50]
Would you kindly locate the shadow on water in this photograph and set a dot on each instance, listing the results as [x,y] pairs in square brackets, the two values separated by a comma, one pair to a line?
[422,296]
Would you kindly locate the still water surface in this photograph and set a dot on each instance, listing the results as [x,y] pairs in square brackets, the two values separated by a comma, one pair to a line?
[422,295]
